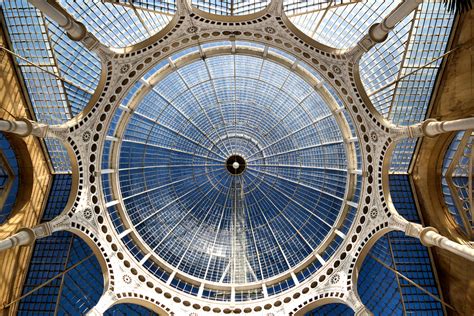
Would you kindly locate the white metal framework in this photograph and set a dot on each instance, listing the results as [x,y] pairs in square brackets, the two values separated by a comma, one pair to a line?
[117,101]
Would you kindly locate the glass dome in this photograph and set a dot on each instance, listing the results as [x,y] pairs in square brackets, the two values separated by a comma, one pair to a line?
[232,168]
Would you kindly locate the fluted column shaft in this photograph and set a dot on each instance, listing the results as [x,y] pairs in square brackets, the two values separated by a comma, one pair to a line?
[431,237]
[363,311]
[432,127]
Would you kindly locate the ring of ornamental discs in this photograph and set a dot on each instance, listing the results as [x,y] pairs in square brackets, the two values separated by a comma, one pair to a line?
[232,165]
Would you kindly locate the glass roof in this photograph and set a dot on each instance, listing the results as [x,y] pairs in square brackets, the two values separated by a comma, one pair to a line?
[84,285]
[398,88]
[390,71]
[115,25]
[173,171]
[405,102]
[457,181]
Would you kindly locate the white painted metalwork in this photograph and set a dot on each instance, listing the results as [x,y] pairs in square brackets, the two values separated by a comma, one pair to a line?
[127,278]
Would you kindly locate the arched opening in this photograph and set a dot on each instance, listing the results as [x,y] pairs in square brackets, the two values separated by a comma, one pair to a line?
[376,285]
[456,181]
[65,275]
[9,178]
[385,292]
[325,306]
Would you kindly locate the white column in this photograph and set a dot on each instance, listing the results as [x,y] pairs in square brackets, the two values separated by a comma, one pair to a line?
[378,32]
[24,127]
[75,30]
[20,127]
[429,236]
[433,128]
[95,311]
[24,236]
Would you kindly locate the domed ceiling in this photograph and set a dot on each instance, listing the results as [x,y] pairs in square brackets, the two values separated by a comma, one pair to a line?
[230,174]
[233,168]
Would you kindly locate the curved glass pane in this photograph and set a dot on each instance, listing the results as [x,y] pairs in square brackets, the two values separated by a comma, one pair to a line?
[240,163]
[117,25]
[398,74]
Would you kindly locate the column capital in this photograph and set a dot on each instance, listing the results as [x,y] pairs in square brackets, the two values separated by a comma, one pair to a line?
[363,311]
[378,32]
[24,127]
[105,302]
[75,30]
[25,236]
[424,241]
[354,302]
[429,236]
[431,127]
[413,229]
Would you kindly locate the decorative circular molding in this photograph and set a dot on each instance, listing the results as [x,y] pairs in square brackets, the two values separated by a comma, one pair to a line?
[374,137]
[86,136]
[192,29]
[88,213]
[123,72]
[335,279]
[127,279]
[124,68]
[270,30]
[373,213]
[336,70]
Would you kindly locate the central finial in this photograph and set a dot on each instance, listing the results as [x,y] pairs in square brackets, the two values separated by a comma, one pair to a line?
[235,164]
